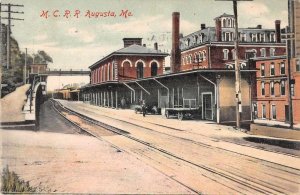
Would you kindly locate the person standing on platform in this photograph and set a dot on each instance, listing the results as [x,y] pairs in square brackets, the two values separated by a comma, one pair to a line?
[144,108]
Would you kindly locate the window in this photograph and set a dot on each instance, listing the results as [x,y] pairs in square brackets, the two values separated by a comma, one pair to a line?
[273,107]
[190,59]
[263,52]
[200,56]
[196,39]
[293,89]
[140,70]
[153,69]
[242,37]
[227,36]
[204,55]
[188,42]
[108,72]
[298,65]
[263,115]
[183,60]
[272,37]
[254,37]
[102,76]
[282,87]
[263,88]
[225,52]
[272,69]
[272,88]
[262,70]
[262,37]
[233,54]
[272,51]
[282,68]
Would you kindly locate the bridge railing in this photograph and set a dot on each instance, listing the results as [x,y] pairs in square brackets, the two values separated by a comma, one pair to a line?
[62,70]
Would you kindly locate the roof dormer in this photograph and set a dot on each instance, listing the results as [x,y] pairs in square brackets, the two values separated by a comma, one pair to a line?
[227,21]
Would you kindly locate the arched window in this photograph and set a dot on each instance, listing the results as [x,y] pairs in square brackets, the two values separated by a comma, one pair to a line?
[153,69]
[272,51]
[103,73]
[225,53]
[204,55]
[108,72]
[263,52]
[182,60]
[97,74]
[190,58]
[228,22]
[233,54]
[188,42]
[196,39]
[140,70]
[200,56]
[186,60]
[224,23]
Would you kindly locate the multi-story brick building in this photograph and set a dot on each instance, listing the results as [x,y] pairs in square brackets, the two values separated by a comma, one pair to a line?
[213,47]
[271,98]
[134,61]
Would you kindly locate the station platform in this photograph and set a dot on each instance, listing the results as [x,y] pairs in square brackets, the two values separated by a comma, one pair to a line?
[12,105]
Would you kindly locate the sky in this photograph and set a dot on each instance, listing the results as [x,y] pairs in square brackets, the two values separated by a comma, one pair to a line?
[77,42]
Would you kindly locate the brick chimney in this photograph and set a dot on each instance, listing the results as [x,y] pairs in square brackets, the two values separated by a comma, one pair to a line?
[175,55]
[132,41]
[218,30]
[277,31]
[203,26]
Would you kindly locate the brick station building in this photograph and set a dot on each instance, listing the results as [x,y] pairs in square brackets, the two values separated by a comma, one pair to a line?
[134,61]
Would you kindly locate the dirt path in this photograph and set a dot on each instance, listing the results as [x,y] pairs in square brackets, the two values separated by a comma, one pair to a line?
[65,163]
[11,105]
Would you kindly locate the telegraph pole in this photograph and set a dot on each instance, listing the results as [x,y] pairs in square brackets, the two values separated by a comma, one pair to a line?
[9,18]
[288,37]
[1,41]
[25,67]
[238,93]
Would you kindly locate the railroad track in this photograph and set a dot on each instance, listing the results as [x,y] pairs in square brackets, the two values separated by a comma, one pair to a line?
[248,183]
[198,134]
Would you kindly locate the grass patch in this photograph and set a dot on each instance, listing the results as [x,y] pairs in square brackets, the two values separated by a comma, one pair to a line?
[12,183]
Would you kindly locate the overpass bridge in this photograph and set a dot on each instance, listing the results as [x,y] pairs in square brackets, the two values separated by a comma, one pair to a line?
[64,72]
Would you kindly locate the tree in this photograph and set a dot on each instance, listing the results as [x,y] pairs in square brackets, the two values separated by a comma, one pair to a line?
[42,57]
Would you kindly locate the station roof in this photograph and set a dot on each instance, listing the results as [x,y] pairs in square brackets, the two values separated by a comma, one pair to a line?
[216,71]
[133,50]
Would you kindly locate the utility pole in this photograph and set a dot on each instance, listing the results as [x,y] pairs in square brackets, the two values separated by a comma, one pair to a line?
[9,18]
[288,36]
[238,93]
[25,67]
[1,45]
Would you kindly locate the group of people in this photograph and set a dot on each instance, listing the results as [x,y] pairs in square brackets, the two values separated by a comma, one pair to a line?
[141,102]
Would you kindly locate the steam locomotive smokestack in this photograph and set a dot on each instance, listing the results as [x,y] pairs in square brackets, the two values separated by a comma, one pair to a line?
[175,55]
